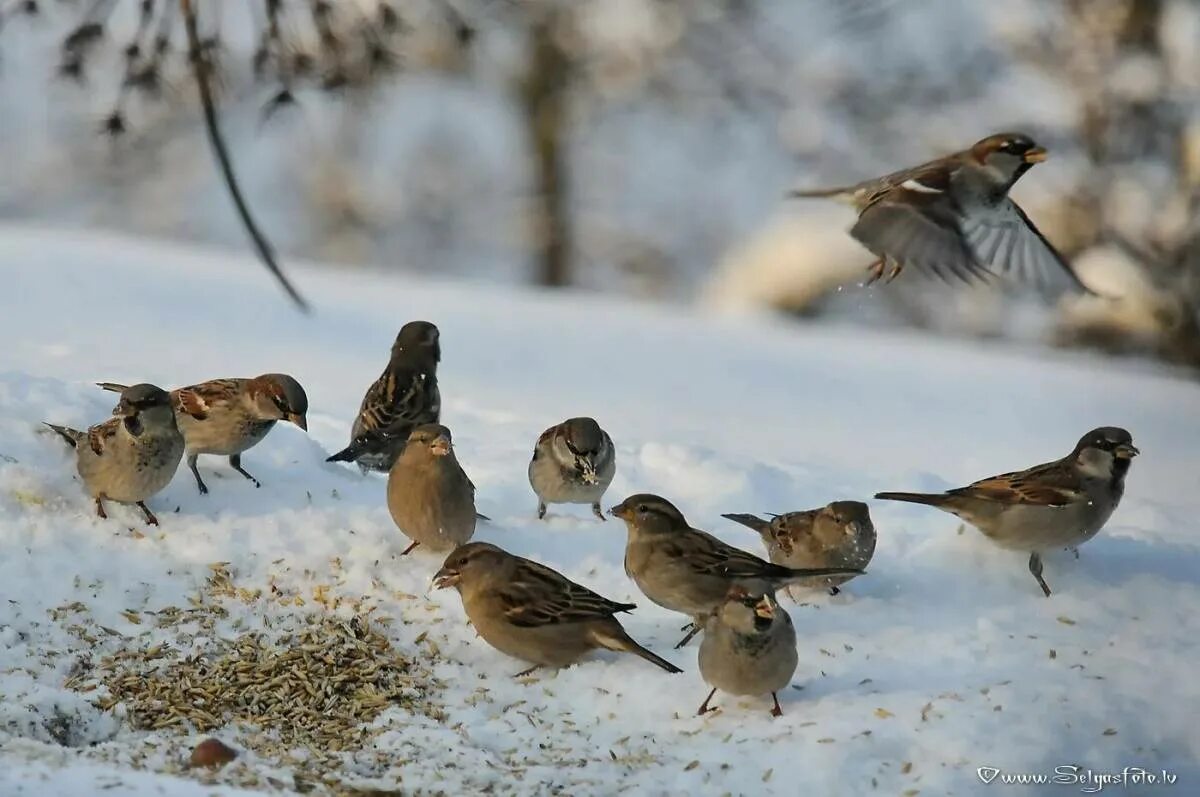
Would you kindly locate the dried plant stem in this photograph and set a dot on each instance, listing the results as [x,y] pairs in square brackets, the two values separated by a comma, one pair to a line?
[266,252]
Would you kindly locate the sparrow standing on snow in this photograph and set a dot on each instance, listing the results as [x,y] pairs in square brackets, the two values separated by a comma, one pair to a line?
[404,396]
[227,417]
[749,648]
[533,613]
[839,534]
[430,497]
[573,463]
[691,571]
[132,456]
[1060,504]
[953,217]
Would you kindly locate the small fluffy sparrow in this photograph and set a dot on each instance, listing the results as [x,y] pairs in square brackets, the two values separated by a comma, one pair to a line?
[691,571]
[230,416]
[953,217]
[1060,504]
[533,613]
[573,463]
[430,497]
[132,456]
[749,648]
[404,396]
[839,534]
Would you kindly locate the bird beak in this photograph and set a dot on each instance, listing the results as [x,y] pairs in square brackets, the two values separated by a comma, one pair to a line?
[446,577]
[298,419]
[1126,451]
[440,446]
[1035,155]
[124,409]
[621,511]
[765,609]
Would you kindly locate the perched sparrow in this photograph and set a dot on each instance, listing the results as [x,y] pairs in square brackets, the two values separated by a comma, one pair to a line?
[404,396]
[132,456]
[839,534]
[229,416]
[749,648]
[953,217]
[533,613]
[430,497]
[1060,504]
[690,571]
[573,463]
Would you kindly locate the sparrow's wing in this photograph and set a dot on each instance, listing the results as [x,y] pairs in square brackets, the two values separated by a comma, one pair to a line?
[706,555]
[1051,484]
[400,398]
[99,435]
[198,400]
[537,595]
[918,229]
[1007,242]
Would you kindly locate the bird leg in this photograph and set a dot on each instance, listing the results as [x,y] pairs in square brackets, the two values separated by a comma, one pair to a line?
[695,629]
[598,512]
[408,550]
[531,670]
[150,518]
[897,267]
[876,271]
[100,508]
[195,472]
[704,708]
[541,510]
[1035,567]
[777,711]
[235,462]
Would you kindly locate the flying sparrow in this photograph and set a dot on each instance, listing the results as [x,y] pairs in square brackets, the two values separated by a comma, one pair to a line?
[691,571]
[573,463]
[839,534]
[953,217]
[132,456]
[749,648]
[230,416]
[1060,504]
[404,396]
[430,497]
[533,613]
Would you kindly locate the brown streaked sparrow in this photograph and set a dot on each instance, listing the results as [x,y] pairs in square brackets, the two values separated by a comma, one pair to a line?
[429,495]
[404,396]
[533,613]
[953,217]
[1060,504]
[132,456]
[690,571]
[839,534]
[227,417]
[749,648]
[573,463]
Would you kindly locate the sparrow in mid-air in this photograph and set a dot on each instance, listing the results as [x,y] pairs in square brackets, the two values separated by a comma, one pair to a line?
[132,456]
[404,396]
[690,571]
[227,417]
[1060,504]
[533,613]
[573,463]
[749,648]
[839,534]
[953,217]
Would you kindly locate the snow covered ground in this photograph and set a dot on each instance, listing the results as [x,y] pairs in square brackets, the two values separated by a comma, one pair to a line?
[944,658]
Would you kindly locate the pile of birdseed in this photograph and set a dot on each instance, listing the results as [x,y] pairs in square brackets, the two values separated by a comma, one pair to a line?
[298,692]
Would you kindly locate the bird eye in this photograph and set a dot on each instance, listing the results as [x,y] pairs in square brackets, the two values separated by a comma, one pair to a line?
[641,508]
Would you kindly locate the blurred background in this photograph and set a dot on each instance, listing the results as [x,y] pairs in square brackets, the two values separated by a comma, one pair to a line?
[635,147]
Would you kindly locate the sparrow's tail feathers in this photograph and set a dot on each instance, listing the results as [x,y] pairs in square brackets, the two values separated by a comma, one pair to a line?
[615,638]
[72,436]
[115,387]
[930,499]
[843,193]
[348,454]
[750,521]
[793,574]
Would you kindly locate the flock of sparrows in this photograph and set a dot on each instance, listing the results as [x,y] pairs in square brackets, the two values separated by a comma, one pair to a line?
[952,216]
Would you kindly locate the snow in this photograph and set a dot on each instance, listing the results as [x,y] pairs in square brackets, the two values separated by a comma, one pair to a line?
[942,659]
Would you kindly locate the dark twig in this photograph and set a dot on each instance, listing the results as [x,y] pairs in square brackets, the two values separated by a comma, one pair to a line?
[201,68]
